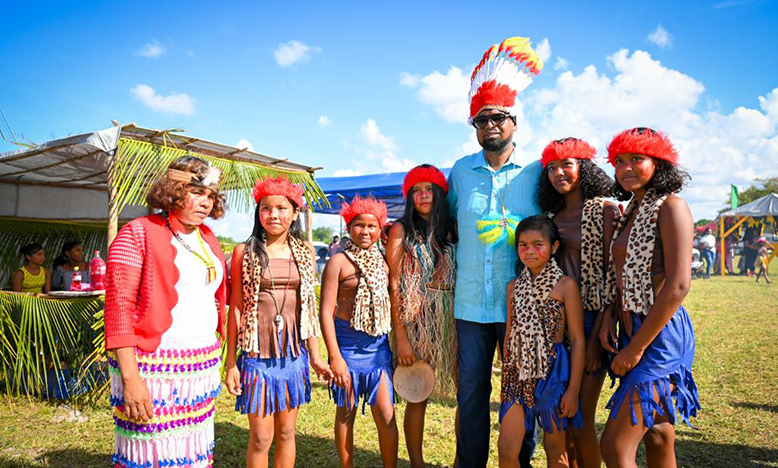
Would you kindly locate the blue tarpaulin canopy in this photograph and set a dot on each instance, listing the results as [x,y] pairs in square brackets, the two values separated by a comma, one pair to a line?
[386,187]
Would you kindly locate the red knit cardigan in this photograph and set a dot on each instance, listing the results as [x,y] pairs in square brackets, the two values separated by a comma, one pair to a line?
[140,283]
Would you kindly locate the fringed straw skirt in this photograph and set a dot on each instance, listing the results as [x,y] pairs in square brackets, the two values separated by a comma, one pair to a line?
[666,366]
[184,384]
[433,336]
[548,396]
[270,380]
[369,360]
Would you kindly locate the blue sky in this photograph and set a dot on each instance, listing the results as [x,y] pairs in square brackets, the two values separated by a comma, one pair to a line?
[361,87]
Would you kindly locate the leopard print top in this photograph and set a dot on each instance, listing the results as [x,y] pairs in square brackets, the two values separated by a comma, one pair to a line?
[534,320]
[637,292]
[372,309]
[248,336]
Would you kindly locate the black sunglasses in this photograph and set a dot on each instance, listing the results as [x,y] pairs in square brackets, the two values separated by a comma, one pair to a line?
[498,120]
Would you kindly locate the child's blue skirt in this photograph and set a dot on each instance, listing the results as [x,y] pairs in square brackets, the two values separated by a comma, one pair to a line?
[548,395]
[280,376]
[666,362]
[369,359]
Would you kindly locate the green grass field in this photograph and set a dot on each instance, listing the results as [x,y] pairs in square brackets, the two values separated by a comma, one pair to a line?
[736,369]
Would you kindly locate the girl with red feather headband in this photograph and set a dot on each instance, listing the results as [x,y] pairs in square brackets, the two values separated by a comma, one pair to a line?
[572,190]
[356,321]
[421,256]
[654,349]
[274,319]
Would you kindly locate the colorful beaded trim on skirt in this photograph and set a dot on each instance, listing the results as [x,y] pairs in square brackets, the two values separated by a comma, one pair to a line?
[183,384]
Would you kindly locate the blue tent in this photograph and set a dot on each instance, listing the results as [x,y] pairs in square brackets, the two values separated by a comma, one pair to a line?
[386,187]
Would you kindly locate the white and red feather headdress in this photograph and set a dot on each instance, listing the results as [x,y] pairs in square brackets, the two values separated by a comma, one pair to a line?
[505,70]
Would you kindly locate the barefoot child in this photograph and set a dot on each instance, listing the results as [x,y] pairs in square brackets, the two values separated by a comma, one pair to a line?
[356,320]
[648,280]
[572,190]
[275,317]
[541,378]
[421,257]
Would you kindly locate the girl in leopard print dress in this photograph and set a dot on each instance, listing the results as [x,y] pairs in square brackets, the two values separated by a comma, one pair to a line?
[541,377]
[572,190]
[274,320]
[649,278]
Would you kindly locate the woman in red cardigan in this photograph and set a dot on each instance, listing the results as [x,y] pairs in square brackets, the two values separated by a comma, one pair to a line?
[165,301]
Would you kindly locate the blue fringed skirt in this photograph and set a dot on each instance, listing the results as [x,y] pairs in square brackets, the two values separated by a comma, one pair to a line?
[666,366]
[369,360]
[548,395]
[279,376]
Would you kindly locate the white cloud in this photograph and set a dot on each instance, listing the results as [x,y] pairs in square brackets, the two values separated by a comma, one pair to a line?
[324,121]
[447,94]
[543,50]
[153,49]
[717,147]
[346,173]
[289,53]
[243,143]
[172,103]
[561,64]
[377,154]
[661,37]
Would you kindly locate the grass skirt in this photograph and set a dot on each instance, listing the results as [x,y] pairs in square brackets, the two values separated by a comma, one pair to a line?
[184,384]
[369,360]
[667,362]
[433,336]
[279,376]
[548,395]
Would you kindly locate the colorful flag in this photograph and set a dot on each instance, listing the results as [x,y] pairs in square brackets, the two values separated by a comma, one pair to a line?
[734,200]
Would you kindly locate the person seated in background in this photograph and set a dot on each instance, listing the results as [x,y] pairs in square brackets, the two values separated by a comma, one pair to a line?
[32,277]
[71,257]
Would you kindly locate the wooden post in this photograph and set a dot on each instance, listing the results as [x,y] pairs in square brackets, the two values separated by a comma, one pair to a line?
[113,209]
[308,224]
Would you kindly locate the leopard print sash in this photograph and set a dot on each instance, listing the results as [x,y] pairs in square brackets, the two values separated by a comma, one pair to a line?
[637,292]
[530,345]
[248,338]
[372,309]
[592,235]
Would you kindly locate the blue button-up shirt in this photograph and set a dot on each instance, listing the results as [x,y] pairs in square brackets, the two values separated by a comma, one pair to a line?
[484,270]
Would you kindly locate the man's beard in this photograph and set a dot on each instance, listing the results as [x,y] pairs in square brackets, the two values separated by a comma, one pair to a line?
[495,145]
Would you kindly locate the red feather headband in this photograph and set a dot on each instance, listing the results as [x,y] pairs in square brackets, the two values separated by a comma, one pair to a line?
[567,148]
[367,205]
[642,140]
[278,186]
[424,173]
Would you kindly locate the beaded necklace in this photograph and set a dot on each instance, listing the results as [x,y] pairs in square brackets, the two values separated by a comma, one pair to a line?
[207,260]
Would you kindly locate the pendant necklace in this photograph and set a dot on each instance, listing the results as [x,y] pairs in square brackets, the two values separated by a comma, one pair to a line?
[210,266]
[279,320]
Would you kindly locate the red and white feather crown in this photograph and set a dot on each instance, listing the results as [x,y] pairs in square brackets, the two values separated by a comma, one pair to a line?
[505,70]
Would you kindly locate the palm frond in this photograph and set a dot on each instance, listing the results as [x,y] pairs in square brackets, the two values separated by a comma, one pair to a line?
[139,163]
[44,341]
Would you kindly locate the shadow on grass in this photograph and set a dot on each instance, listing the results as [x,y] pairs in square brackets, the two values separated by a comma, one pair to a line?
[698,454]
[312,451]
[756,406]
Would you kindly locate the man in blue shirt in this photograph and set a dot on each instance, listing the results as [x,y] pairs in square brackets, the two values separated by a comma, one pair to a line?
[489,193]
